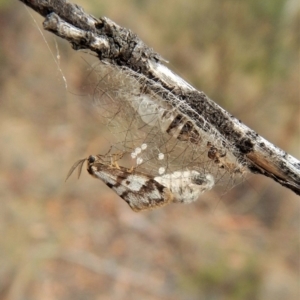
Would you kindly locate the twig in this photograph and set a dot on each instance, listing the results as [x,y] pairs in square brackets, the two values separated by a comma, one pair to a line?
[121,48]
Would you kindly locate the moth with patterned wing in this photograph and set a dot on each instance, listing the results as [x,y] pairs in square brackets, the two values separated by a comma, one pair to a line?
[142,191]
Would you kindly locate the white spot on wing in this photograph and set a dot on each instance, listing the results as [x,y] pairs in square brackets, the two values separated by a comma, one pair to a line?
[135,182]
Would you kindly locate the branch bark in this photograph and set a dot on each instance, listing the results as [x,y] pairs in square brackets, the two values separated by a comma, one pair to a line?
[121,48]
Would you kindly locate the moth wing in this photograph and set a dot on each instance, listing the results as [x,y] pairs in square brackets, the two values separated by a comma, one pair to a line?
[139,190]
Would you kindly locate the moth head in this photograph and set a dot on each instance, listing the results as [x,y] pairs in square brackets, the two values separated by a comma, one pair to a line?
[91,159]
[79,164]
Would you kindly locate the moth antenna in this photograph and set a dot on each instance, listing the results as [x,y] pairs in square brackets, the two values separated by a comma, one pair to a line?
[80,165]
[77,163]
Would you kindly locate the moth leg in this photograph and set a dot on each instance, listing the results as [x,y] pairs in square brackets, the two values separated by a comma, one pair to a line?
[114,163]
[114,160]
[130,170]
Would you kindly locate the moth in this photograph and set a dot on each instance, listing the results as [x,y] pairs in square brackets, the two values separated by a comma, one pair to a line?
[142,191]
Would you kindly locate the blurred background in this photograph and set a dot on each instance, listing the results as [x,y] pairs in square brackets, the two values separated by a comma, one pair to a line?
[77,239]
